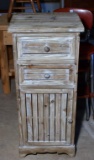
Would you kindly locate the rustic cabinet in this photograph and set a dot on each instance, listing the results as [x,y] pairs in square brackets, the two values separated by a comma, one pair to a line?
[46,51]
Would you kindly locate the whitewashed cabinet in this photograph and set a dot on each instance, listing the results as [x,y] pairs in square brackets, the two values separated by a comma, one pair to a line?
[46,51]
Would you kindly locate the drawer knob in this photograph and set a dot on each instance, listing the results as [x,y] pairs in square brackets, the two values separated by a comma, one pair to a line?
[46,48]
[47,76]
[70,120]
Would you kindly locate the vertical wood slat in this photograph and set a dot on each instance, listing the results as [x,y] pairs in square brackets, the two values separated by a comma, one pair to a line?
[63,116]
[74,115]
[52,124]
[46,117]
[20,122]
[69,117]
[35,116]
[57,118]
[23,115]
[21,75]
[29,116]
[40,116]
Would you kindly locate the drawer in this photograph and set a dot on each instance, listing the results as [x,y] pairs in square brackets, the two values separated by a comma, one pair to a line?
[46,48]
[41,75]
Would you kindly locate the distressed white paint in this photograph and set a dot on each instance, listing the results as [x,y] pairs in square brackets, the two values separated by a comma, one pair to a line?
[46,53]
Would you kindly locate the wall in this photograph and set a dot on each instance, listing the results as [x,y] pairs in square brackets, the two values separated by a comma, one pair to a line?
[4,4]
[49,7]
[46,7]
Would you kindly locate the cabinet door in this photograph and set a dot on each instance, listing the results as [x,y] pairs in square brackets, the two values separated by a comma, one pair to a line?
[46,116]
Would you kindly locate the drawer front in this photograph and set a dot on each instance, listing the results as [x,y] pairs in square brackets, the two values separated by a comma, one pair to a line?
[48,47]
[44,75]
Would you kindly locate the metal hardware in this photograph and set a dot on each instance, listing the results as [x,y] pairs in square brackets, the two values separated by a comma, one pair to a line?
[46,48]
[47,75]
[70,120]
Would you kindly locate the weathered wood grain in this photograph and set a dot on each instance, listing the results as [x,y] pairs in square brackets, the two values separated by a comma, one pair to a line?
[29,113]
[46,22]
[32,46]
[40,117]
[27,74]
[46,53]
[46,117]
[63,115]
[46,114]
[35,116]
[23,117]
[52,117]
[24,150]
[57,117]
[47,84]
[7,38]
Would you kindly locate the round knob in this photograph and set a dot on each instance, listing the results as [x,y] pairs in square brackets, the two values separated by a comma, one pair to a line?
[46,48]
[70,120]
[47,76]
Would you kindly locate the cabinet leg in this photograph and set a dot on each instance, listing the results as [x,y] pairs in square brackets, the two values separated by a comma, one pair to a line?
[4,66]
[22,155]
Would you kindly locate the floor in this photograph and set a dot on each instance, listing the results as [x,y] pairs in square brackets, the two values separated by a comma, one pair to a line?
[9,133]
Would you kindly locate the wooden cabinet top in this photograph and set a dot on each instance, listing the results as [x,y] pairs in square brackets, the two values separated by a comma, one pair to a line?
[46,22]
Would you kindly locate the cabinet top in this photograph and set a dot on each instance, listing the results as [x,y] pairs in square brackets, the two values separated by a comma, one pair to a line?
[45,22]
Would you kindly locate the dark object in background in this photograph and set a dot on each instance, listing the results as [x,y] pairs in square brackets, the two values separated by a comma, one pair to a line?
[91,38]
[4,5]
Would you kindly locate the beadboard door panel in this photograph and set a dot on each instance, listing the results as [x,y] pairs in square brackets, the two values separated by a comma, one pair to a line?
[47,116]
